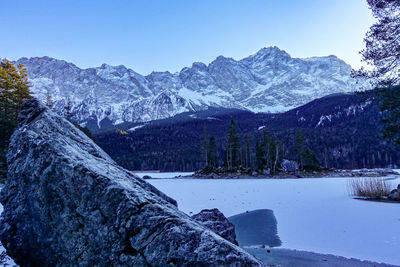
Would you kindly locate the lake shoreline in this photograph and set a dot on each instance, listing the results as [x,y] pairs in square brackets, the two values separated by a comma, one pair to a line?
[297,175]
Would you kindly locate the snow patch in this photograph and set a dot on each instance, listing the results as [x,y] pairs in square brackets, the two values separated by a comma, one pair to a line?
[136,127]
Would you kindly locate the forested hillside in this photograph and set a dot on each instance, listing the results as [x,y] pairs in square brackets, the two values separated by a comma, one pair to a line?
[343,130]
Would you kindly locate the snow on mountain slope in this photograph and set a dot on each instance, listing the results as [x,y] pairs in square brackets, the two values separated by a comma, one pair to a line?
[268,81]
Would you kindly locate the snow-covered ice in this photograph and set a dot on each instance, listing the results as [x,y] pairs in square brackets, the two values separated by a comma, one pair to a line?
[314,214]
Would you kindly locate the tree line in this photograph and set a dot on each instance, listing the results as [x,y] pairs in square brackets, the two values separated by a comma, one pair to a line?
[269,152]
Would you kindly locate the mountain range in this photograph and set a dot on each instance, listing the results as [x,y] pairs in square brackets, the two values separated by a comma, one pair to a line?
[268,81]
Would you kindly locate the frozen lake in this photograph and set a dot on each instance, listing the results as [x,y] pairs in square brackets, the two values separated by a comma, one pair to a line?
[315,214]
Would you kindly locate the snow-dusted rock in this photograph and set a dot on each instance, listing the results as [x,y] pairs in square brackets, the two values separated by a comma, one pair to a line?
[267,171]
[394,195]
[67,203]
[290,165]
[214,220]
[268,81]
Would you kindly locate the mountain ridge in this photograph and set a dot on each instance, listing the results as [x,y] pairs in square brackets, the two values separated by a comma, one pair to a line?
[267,81]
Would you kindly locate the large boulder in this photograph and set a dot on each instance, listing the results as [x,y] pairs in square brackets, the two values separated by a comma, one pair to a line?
[216,221]
[67,203]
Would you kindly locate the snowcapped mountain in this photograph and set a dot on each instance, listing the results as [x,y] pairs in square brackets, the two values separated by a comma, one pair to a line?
[268,81]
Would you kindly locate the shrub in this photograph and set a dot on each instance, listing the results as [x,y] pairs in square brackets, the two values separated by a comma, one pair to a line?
[369,187]
[207,170]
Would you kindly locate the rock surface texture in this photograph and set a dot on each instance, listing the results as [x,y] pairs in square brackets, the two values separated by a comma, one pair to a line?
[214,220]
[67,203]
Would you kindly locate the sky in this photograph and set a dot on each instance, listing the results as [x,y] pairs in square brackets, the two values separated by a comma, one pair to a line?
[167,35]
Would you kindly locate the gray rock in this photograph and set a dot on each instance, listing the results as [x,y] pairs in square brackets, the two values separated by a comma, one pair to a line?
[215,220]
[254,173]
[67,203]
[267,172]
[395,195]
[290,165]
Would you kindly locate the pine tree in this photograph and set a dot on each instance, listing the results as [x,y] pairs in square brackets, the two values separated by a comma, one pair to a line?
[212,152]
[278,153]
[306,159]
[246,151]
[310,161]
[21,91]
[382,53]
[204,144]
[49,100]
[259,156]
[68,107]
[382,43]
[14,89]
[232,147]
[299,148]
[389,99]
[268,148]
[268,152]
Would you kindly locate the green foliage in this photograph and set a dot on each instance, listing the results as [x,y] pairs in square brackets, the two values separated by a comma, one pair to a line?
[232,147]
[306,159]
[209,149]
[310,161]
[259,156]
[268,152]
[207,170]
[68,108]
[14,89]
[299,148]
[212,152]
[204,144]
[86,131]
[382,52]
[382,43]
[246,152]
[390,106]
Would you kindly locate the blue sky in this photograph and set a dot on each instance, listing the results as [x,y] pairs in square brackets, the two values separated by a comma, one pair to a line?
[171,34]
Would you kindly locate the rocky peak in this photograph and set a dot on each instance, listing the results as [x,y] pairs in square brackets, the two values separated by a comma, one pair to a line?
[199,66]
